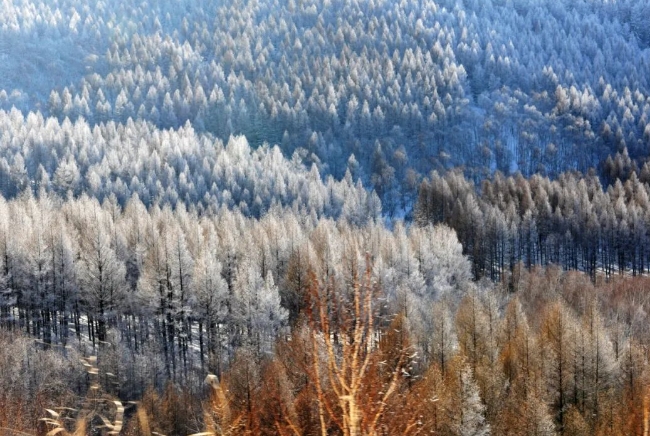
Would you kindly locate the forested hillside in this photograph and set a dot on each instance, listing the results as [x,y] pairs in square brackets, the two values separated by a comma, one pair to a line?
[531,86]
[315,217]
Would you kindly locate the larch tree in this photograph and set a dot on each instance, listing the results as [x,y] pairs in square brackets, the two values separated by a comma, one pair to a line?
[209,296]
[556,345]
[443,342]
[100,272]
[462,410]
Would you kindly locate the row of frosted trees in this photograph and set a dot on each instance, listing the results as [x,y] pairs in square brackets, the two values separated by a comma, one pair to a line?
[168,167]
[193,288]
[573,221]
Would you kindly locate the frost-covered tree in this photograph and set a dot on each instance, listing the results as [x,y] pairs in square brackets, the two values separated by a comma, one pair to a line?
[101,273]
[470,415]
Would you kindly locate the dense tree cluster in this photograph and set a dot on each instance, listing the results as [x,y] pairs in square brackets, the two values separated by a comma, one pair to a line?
[406,87]
[197,287]
[168,167]
[573,221]
[559,356]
